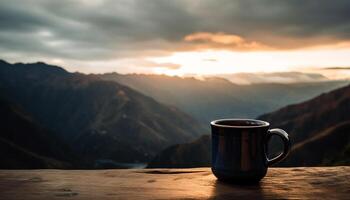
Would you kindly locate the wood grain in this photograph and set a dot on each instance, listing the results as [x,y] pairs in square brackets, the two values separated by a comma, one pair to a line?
[196,183]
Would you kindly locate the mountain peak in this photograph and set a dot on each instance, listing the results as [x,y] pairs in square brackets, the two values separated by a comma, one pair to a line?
[3,62]
[47,66]
[36,66]
[40,68]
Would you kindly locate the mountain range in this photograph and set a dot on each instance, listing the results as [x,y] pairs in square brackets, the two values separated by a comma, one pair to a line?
[56,119]
[99,120]
[319,129]
[214,98]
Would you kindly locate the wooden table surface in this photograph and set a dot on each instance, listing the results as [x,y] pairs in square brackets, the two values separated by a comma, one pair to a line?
[195,183]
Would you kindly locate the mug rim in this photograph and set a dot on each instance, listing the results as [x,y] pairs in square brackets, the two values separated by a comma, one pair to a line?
[263,123]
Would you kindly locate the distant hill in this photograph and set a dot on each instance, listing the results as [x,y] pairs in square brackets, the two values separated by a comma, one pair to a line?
[319,128]
[330,147]
[322,122]
[309,118]
[25,144]
[99,119]
[215,98]
[194,154]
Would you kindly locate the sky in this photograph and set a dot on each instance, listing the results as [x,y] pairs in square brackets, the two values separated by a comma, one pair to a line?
[179,37]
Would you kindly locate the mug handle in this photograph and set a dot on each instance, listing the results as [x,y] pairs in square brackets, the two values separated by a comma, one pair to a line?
[286,142]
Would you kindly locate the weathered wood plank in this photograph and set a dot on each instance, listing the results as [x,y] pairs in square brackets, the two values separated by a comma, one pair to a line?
[197,183]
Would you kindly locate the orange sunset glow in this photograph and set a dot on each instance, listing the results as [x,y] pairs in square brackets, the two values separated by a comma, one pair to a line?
[209,61]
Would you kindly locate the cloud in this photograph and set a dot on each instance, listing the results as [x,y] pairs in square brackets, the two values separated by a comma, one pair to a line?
[147,63]
[336,68]
[276,77]
[210,60]
[223,41]
[220,38]
[98,30]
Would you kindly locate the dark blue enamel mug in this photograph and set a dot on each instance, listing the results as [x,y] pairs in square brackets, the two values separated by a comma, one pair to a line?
[239,149]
